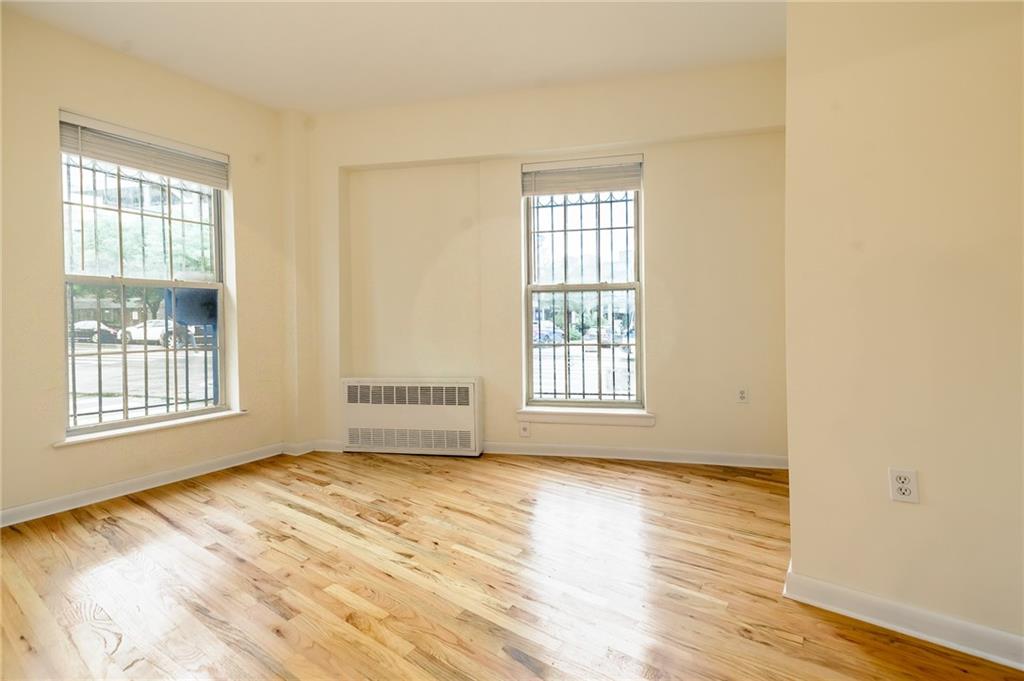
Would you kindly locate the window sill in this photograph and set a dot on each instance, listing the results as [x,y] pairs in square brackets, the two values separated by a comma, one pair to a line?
[148,427]
[586,416]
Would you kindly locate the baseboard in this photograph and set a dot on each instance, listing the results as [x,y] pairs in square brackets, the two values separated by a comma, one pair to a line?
[639,454]
[38,509]
[974,639]
[300,448]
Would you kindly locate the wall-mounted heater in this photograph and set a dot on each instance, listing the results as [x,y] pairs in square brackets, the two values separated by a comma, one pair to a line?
[414,415]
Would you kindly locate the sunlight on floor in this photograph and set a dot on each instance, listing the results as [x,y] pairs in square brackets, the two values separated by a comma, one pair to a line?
[589,554]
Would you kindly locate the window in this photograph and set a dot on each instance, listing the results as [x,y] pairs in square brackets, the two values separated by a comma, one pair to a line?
[142,278]
[583,283]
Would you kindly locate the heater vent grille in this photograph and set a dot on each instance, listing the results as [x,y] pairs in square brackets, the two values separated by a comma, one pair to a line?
[412,438]
[423,395]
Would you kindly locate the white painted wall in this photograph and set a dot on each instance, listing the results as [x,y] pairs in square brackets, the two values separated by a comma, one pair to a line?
[903,300]
[45,70]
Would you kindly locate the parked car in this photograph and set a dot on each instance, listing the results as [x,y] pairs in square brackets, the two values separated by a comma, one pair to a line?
[93,331]
[555,336]
[546,332]
[607,337]
[157,331]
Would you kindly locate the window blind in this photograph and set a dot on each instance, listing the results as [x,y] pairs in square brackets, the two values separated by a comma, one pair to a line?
[143,155]
[600,175]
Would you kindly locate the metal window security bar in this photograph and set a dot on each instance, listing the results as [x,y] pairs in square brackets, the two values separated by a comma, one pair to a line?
[583,292]
[143,279]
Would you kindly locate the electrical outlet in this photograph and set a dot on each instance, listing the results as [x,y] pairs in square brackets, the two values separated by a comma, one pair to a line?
[743,396]
[524,429]
[903,486]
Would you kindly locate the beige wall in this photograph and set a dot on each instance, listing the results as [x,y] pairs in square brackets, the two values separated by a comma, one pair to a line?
[45,70]
[713,205]
[903,301]
[436,289]
[298,281]
[904,291]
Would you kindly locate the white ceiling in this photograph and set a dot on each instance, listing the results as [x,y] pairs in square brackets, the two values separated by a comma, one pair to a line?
[327,56]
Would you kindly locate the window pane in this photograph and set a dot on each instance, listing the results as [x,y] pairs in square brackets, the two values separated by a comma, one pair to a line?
[192,205]
[617,255]
[542,214]
[173,356]
[628,256]
[588,211]
[97,238]
[581,258]
[618,372]
[582,316]
[112,388]
[131,190]
[597,359]
[196,353]
[83,402]
[99,183]
[549,257]
[73,238]
[548,318]
[579,255]
[147,328]
[148,320]
[154,196]
[146,247]
[71,180]
[573,212]
[549,371]
[193,246]
[618,313]
[160,382]
[605,212]
[94,316]
[621,209]
[575,370]
[558,212]
[617,237]
[196,384]
[94,349]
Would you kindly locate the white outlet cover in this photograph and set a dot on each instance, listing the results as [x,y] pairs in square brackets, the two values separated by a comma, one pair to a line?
[903,486]
[743,396]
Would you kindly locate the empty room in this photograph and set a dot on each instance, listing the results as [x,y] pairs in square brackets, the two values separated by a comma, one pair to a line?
[584,341]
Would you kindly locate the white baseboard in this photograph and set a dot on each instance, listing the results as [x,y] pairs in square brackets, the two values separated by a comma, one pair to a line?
[974,639]
[38,509]
[300,448]
[584,451]
[639,454]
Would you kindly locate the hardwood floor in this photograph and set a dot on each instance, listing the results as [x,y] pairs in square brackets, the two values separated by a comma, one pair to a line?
[401,567]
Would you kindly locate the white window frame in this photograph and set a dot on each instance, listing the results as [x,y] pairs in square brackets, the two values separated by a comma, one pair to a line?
[530,288]
[174,284]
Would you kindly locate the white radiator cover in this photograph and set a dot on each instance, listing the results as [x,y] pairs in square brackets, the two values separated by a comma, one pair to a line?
[440,416]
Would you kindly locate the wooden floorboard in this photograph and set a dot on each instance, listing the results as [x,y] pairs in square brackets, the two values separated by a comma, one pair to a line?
[332,566]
